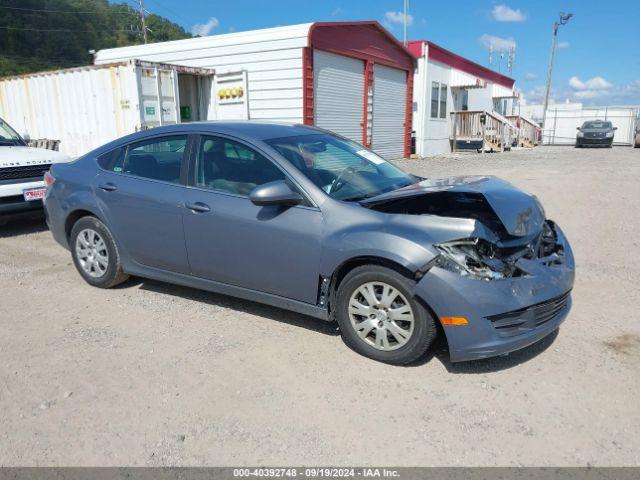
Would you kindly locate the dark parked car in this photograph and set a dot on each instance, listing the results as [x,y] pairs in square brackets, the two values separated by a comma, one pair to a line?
[636,144]
[596,133]
[302,219]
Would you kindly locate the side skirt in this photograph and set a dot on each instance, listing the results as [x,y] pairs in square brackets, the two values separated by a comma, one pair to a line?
[226,289]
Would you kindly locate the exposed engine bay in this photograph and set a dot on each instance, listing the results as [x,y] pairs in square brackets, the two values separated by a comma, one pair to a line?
[515,217]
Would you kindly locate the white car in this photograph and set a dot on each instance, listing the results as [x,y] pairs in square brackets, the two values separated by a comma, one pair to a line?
[22,170]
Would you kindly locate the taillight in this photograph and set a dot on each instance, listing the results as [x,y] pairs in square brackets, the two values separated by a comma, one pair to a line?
[48,179]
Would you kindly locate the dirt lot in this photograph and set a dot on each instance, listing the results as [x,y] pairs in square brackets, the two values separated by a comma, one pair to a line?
[153,374]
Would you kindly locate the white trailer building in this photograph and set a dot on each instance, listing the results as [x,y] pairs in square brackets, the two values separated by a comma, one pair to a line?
[452,91]
[353,78]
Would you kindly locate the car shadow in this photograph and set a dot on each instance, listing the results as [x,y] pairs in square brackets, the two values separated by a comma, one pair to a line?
[23,226]
[245,306]
[496,364]
[439,350]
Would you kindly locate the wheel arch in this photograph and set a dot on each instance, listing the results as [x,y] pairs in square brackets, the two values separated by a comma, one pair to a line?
[76,215]
[341,271]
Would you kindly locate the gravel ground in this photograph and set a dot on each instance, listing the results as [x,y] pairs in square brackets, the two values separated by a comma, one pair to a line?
[154,374]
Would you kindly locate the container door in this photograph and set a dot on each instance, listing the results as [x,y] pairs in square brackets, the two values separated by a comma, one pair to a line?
[389,111]
[158,89]
[339,94]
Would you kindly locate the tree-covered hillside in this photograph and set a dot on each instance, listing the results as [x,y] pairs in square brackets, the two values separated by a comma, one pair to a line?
[48,34]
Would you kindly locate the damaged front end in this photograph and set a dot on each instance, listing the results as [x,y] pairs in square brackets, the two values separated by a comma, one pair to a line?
[500,267]
[481,259]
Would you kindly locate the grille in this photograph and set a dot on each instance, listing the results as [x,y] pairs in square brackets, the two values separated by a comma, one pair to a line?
[524,320]
[25,171]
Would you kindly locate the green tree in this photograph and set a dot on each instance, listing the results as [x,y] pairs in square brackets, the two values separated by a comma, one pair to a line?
[40,35]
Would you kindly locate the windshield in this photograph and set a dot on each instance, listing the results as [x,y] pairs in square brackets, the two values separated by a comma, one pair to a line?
[8,135]
[342,168]
[596,125]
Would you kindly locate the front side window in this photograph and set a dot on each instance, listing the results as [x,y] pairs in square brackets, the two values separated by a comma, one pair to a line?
[155,159]
[341,168]
[8,135]
[231,167]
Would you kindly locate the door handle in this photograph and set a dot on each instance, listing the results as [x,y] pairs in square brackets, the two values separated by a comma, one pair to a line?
[108,187]
[198,207]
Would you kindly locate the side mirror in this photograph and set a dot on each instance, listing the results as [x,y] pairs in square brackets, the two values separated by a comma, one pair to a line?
[275,193]
[615,128]
[578,128]
[26,137]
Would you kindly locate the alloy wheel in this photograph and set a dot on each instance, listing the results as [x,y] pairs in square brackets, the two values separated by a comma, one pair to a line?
[381,315]
[92,253]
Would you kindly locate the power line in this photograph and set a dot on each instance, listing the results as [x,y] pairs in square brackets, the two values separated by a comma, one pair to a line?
[44,10]
[173,12]
[28,29]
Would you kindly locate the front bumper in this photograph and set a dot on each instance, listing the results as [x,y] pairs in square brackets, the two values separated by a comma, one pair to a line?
[594,142]
[503,315]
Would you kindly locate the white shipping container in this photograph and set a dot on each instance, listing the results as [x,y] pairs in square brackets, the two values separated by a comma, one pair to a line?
[86,107]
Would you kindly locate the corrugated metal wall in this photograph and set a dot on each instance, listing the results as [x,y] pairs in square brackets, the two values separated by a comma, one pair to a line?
[81,107]
[272,58]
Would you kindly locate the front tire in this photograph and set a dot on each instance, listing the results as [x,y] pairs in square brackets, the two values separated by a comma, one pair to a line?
[379,317]
[95,254]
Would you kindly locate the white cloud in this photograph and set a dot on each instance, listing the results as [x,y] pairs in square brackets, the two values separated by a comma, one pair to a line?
[398,17]
[563,45]
[337,11]
[504,13]
[530,76]
[499,44]
[204,29]
[595,83]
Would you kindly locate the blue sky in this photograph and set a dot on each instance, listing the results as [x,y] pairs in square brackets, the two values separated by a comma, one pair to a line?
[598,62]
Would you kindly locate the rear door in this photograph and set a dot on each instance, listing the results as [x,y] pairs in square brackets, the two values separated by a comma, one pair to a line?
[339,94]
[230,240]
[140,192]
[389,111]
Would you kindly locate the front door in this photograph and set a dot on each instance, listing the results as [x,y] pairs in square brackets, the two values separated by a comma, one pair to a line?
[141,196]
[230,240]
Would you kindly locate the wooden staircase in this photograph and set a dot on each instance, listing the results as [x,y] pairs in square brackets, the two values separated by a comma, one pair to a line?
[468,131]
[526,131]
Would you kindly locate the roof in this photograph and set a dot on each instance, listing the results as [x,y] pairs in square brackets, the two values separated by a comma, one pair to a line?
[290,32]
[366,39]
[254,129]
[441,55]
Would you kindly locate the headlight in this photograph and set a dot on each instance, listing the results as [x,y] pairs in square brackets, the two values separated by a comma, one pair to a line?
[580,134]
[609,134]
[471,257]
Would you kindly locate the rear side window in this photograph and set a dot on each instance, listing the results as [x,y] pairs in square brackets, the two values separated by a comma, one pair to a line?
[112,160]
[155,159]
[232,167]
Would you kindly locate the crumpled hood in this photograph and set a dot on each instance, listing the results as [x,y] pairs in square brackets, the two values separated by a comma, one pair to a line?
[17,156]
[485,198]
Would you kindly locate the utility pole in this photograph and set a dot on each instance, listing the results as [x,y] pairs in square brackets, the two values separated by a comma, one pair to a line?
[406,8]
[142,20]
[562,21]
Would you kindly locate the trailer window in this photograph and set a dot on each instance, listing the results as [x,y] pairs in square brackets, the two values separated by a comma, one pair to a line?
[443,100]
[435,95]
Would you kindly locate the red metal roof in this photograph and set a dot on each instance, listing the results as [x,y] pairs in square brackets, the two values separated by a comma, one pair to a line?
[441,55]
[364,40]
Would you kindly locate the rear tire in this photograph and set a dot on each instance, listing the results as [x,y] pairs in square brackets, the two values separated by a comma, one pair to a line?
[391,327]
[95,254]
